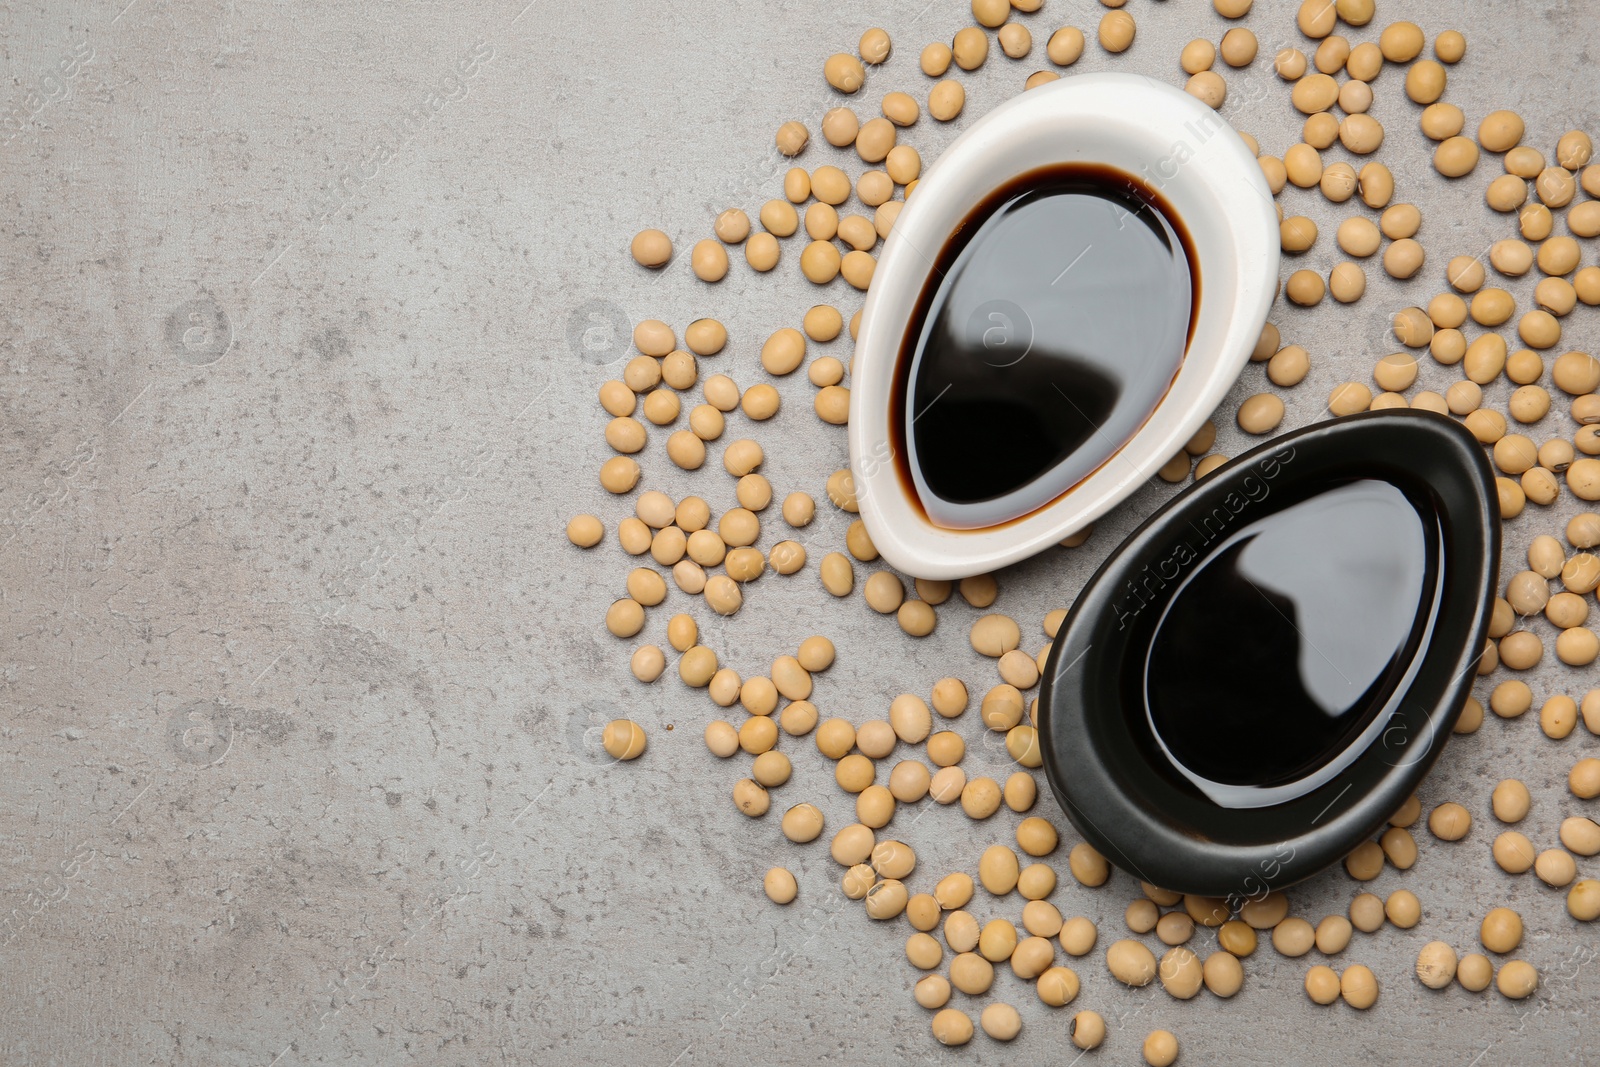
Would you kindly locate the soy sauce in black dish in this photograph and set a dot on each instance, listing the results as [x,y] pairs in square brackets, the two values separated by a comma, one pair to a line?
[1278,656]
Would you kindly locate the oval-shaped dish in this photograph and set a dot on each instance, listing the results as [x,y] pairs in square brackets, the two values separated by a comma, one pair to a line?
[1099,751]
[1172,143]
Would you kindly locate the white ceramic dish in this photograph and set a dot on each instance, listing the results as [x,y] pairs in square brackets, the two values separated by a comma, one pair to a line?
[1175,144]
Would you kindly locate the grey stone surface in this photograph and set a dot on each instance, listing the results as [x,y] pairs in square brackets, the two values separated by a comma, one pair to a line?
[300,678]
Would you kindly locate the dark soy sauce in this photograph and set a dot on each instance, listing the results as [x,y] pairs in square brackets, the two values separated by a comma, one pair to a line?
[1053,323]
[1276,658]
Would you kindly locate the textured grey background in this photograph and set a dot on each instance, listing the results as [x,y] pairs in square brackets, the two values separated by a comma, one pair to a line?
[300,677]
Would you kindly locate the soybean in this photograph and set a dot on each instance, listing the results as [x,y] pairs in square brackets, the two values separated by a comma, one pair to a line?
[1065,46]
[1161,1047]
[1131,963]
[1087,1030]
[1117,30]
[1359,987]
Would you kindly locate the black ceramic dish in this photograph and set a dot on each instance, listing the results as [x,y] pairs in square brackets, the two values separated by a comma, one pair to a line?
[1117,780]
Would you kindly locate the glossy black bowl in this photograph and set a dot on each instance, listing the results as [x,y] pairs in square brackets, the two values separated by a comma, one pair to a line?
[1099,749]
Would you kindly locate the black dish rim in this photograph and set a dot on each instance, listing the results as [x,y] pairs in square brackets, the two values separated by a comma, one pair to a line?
[1168,834]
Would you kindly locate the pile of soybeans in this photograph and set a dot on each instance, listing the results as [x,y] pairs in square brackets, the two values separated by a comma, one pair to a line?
[1495,310]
